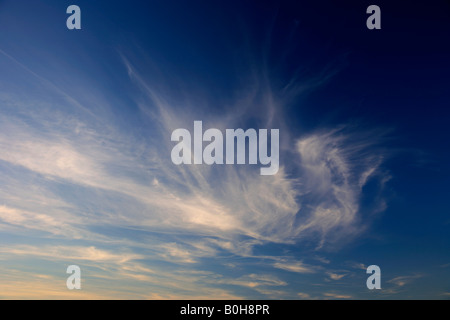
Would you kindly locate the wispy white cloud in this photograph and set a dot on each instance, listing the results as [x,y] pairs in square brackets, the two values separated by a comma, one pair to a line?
[304,296]
[404,280]
[336,166]
[357,265]
[336,276]
[74,173]
[254,281]
[69,253]
[297,266]
[336,295]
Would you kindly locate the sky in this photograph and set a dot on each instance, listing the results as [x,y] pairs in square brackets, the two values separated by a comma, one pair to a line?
[86,118]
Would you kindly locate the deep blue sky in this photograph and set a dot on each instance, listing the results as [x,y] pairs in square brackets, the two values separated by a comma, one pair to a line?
[85,123]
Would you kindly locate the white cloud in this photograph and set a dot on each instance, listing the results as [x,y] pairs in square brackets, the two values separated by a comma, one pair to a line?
[72,172]
[70,253]
[296,266]
[335,166]
[360,266]
[337,295]
[303,295]
[404,280]
[254,281]
[335,276]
